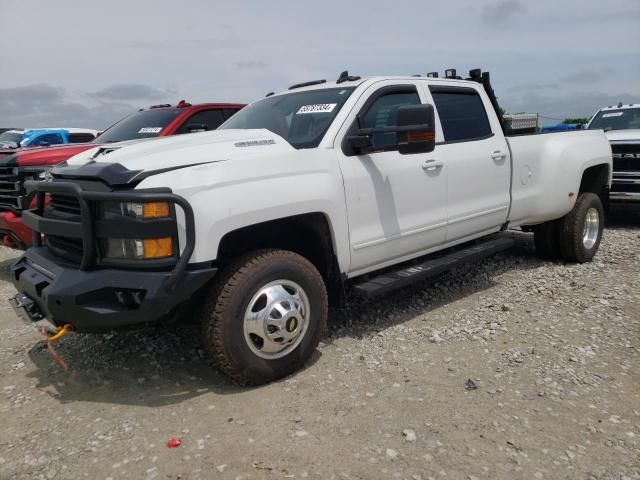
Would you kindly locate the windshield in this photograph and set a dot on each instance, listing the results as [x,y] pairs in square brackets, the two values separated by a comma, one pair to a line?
[13,137]
[145,124]
[622,119]
[300,118]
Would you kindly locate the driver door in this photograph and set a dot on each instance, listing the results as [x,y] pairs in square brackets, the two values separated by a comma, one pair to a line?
[395,203]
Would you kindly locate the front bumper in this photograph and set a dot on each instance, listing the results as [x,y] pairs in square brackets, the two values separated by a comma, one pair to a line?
[625,187]
[97,300]
[13,226]
[92,293]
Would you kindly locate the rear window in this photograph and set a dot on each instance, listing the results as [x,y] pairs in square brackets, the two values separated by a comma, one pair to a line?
[462,114]
[14,137]
[81,137]
[145,124]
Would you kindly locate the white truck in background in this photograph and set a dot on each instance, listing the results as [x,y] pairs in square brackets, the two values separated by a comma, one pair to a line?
[368,182]
[621,125]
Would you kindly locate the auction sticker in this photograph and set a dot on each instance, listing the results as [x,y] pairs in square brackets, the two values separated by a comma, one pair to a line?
[318,108]
[614,114]
[150,130]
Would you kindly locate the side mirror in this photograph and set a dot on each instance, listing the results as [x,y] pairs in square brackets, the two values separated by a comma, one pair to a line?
[197,127]
[359,142]
[416,129]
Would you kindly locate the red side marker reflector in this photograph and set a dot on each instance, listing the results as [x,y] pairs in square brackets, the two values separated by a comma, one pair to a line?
[174,443]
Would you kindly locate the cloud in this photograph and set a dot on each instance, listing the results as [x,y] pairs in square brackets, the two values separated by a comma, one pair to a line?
[14,101]
[588,76]
[501,12]
[251,65]
[42,105]
[559,107]
[129,91]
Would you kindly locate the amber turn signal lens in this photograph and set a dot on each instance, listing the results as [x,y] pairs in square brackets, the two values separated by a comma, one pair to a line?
[420,136]
[156,209]
[158,247]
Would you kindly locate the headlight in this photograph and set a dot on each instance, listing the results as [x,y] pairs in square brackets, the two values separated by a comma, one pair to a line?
[110,210]
[35,173]
[137,249]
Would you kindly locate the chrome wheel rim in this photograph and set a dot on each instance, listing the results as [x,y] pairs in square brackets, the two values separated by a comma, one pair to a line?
[591,228]
[276,319]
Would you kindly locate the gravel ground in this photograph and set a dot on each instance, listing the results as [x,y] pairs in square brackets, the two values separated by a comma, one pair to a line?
[553,350]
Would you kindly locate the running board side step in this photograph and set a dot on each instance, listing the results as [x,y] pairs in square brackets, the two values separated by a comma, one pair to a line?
[433,265]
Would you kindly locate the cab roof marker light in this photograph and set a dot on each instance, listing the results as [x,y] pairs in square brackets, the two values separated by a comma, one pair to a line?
[475,74]
[307,84]
[450,73]
[619,104]
[432,75]
[345,77]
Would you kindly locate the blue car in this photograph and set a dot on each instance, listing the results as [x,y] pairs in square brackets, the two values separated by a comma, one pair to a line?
[44,137]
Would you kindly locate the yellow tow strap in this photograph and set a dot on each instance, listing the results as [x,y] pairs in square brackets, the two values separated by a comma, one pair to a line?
[60,332]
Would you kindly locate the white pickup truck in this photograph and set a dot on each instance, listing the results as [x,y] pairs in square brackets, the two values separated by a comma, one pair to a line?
[367,182]
[621,124]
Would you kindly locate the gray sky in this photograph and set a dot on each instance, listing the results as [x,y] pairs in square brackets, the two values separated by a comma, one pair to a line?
[88,63]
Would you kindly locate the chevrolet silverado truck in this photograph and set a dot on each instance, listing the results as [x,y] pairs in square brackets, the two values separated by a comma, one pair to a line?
[621,125]
[32,163]
[371,183]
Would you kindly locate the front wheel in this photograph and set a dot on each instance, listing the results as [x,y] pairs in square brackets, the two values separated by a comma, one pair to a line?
[265,316]
[581,229]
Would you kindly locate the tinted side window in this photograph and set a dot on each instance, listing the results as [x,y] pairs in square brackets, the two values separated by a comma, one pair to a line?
[383,113]
[50,138]
[80,137]
[462,114]
[211,118]
[230,112]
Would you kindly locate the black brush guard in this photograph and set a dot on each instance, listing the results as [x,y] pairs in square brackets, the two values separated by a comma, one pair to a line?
[86,231]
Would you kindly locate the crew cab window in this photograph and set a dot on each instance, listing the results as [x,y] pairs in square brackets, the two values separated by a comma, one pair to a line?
[462,114]
[81,137]
[383,112]
[49,138]
[211,118]
[230,112]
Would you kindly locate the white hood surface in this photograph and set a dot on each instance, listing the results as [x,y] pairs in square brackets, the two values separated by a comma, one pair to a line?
[623,135]
[188,149]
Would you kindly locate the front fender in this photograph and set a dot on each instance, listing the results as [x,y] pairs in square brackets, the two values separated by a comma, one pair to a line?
[234,194]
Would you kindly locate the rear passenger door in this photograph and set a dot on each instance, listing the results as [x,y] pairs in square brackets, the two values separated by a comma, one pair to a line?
[476,156]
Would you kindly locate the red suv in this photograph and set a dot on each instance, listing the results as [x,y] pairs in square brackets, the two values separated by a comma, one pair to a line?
[32,163]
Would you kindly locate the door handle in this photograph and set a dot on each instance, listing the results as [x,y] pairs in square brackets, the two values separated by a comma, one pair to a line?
[498,155]
[431,165]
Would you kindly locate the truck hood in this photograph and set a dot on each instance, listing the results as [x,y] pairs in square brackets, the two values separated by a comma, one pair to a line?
[184,150]
[623,135]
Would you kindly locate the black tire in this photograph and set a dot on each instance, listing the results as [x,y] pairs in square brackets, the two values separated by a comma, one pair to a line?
[547,240]
[572,246]
[223,316]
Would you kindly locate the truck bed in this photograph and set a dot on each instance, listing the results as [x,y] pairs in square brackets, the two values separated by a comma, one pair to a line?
[538,192]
